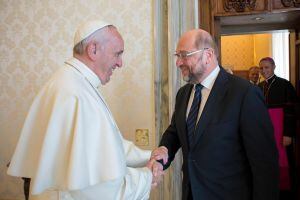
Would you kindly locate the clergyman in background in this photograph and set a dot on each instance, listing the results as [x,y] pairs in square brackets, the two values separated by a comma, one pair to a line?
[282,100]
[253,75]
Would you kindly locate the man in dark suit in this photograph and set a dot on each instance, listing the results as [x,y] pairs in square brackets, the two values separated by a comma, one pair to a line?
[228,148]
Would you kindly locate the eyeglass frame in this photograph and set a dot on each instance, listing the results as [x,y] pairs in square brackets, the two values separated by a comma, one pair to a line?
[188,54]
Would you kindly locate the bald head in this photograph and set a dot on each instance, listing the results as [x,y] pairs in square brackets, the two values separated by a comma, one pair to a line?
[198,38]
[196,55]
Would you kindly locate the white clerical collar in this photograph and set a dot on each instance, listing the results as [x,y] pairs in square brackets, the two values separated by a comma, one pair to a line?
[209,81]
[85,71]
[270,78]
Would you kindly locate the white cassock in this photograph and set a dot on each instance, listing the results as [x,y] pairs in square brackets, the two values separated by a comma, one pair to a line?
[71,147]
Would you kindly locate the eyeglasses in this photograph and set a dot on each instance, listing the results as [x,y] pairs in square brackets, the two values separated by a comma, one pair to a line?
[185,54]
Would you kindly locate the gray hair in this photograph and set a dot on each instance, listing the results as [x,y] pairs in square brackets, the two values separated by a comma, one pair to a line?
[99,36]
[205,40]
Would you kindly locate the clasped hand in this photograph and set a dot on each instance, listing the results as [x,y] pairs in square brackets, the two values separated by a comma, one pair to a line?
[160,153]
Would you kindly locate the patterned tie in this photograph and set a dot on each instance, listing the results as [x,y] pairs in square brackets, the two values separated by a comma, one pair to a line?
[193,114]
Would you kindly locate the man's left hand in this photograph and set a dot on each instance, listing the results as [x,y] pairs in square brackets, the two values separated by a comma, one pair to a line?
[160,153]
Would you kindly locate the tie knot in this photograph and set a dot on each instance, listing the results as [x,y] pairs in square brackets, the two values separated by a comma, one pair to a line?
[198,87]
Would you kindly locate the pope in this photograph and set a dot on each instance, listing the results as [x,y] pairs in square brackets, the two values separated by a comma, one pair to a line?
[70,145]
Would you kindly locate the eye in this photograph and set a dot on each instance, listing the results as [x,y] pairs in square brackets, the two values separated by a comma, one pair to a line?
[181,54]
[118,54]
[184,54]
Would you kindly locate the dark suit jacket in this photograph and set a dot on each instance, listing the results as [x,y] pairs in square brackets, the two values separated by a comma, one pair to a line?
[233,156]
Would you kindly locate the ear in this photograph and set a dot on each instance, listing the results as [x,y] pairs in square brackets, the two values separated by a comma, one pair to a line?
[209,55]
[91,50]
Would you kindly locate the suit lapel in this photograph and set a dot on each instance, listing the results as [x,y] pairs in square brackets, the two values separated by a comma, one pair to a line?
[210,109]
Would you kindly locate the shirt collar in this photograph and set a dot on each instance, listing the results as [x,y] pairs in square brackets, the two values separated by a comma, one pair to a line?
[85,71]
[209,81]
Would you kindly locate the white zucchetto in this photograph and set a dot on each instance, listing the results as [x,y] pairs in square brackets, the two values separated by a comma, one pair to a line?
[88,28]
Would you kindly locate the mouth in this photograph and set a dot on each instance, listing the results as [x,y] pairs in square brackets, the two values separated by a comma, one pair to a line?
[112,69]
[110,72]
[184,70]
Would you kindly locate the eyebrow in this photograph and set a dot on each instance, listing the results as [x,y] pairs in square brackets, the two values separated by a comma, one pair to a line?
[120,52]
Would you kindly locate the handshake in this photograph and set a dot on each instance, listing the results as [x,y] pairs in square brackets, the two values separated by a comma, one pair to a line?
[158,154]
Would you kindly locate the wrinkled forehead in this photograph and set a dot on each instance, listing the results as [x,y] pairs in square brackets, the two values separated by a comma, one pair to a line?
[114,39]
[115,35]
[265,63]
[186,43]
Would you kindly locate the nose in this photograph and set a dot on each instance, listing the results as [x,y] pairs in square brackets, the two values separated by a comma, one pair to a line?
[179,62]
[119,62]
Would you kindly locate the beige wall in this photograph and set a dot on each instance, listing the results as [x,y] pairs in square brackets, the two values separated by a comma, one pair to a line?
[36,38]
[239,52]
[262,46]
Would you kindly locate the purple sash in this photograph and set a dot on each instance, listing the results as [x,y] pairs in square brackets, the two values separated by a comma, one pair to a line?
[276,115]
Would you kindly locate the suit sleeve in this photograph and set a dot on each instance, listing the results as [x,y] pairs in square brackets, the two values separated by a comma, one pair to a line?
[170,137]
[258,139]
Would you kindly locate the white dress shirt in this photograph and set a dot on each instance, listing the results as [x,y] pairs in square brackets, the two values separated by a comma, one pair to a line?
[207,83]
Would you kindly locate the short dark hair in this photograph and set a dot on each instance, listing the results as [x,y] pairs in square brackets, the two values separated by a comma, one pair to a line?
[269,59]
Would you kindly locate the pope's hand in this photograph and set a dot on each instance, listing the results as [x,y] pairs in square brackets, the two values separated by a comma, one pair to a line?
[160,153]
[157,171]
